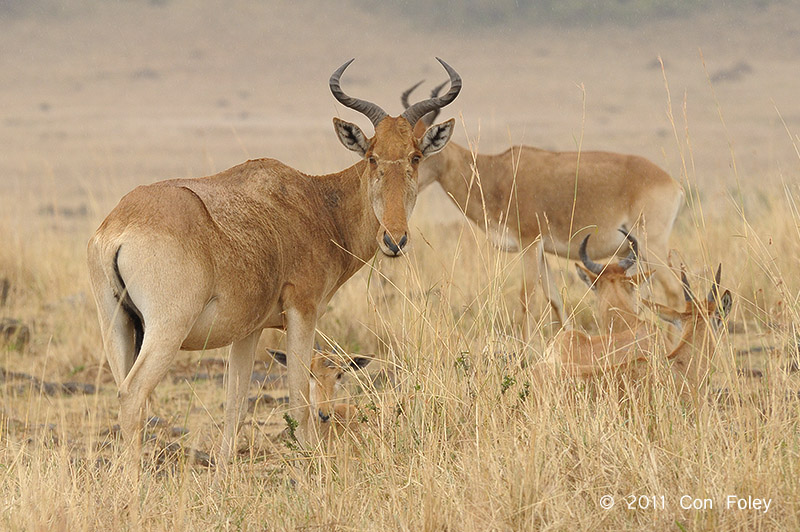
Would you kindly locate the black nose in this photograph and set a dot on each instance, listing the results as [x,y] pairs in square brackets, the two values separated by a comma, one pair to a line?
[394,248]
[324,417]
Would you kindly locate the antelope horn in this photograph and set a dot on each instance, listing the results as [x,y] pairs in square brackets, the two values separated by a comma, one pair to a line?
[630,260]
[687,290]
[714,292]
[369,109]
[429,118]
[407,93]
[590,265]
[420,109]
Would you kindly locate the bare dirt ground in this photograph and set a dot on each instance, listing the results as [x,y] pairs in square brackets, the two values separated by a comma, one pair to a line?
[100,97]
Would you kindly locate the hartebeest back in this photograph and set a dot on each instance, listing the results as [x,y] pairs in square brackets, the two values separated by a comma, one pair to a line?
[203,263]
[533,200]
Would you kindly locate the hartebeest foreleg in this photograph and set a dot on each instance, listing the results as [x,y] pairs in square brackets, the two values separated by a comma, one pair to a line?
[300,328]
[537,272]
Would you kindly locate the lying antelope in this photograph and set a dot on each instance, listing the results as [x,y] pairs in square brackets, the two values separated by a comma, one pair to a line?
[582,356]
[327,372]
[618,304]
[533,200]
[204,263]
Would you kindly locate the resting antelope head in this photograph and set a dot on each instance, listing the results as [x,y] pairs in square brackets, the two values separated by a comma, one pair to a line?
[393,156]
[700,321]
[327,372]
[615,288]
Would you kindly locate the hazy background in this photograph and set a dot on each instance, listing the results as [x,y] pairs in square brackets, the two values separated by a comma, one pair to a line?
[100,96]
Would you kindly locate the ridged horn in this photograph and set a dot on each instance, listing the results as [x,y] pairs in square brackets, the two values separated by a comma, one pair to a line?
[714,292]
[368,109]
[420,109]
[592,266]
[407,93]
[630,260]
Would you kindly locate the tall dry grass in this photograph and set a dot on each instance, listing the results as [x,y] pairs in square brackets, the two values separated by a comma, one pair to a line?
[459,438]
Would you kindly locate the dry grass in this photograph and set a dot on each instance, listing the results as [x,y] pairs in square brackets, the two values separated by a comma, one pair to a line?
[460,441]
[455,435]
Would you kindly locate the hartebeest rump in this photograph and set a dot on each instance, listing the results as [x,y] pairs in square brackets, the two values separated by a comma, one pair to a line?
[204,263]
[533,200]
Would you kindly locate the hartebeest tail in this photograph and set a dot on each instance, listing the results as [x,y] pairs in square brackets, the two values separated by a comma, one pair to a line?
[529,199]
[204,263]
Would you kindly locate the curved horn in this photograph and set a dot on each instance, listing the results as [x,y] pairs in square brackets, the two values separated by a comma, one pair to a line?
[687,290]
[630,260]
[369,109]
[407,93]
[430,118]
[590,265]
[420,109]
[714,292]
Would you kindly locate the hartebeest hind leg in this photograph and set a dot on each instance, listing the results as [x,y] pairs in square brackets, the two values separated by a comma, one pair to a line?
[240,370]
[537,272]
[159,347]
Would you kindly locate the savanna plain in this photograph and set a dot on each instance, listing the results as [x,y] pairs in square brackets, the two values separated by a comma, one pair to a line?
[453,432]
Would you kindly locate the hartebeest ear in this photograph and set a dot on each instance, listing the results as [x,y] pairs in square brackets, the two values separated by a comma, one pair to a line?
[667,314]
[436,137]
[725,303]
[586,276]
[278,356]
[359,363]
[351,136]
[642,277]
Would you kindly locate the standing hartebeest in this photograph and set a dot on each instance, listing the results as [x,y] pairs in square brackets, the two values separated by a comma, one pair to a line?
[533,200]
[204,263]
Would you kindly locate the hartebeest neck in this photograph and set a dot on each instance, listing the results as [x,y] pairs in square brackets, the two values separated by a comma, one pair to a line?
[348,205]
[457,171]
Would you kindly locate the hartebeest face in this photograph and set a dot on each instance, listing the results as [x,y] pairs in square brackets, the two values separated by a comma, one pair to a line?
[615,287]
[327,375]
[393,156]
[391,174]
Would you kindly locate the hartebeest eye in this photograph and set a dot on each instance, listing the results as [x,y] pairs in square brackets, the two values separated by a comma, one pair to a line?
[373,161]
[415,159]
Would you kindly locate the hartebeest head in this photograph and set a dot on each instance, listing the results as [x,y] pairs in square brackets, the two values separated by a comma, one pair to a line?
[711,311]
[615,288]
[393,155]
[327,371]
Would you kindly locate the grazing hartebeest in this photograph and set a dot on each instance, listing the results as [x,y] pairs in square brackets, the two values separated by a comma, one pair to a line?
[527,195]
[204,263]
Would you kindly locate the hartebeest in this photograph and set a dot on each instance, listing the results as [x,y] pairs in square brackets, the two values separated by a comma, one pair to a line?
[204,263]
[533,200]
[633,351]
[327,372]
[615,287]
